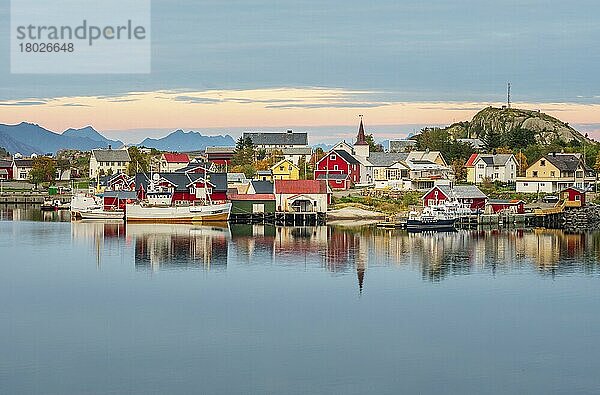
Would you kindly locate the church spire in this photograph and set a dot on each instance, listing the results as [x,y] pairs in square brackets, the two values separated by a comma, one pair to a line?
[361,139]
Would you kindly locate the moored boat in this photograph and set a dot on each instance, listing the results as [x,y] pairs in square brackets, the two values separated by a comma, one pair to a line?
[84,202]
[102,214]
[430,220]
[159,208]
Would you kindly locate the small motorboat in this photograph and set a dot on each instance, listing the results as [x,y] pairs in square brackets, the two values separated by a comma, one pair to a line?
[50,205]
[430,220]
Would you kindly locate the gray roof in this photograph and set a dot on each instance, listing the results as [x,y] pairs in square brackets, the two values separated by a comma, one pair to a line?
[5,163]
[462,191]
[264,172]
[111,155]
[564,162]
[495,160]
[182,180]
[23,162]
[268,138]
[381,159]
[263,186]
[219,150]
[475,143]
[297,151]
[236,177]
[347,156]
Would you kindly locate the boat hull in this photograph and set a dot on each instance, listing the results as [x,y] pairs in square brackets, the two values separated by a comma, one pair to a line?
[189,214]
[102,215]
[438,225]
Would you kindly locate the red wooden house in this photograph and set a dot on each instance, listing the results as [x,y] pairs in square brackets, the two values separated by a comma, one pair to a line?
[573,196]
[467,195]
[514,206]
[338,162]
[118,199]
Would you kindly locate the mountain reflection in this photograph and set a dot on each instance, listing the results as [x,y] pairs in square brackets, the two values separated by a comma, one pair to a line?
[343,251]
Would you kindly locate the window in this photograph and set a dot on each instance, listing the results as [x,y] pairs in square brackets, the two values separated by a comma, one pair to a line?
[577,198]
[338,182]
[481,166]
[525,184]
[552,174]
[542,163]
[535,173]
[335,167]
[332,157]
[192,190]
[281,168]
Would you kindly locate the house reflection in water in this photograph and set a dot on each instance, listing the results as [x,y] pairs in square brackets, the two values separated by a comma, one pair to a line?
[178,247]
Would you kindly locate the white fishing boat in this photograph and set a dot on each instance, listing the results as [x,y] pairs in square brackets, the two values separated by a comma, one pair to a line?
[102,214]
[159,207]
[84,202]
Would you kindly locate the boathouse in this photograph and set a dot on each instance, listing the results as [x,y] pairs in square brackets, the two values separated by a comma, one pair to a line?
[467,195]
[573,197]
[495,206]
[260,203]
[301,196]
[118,199]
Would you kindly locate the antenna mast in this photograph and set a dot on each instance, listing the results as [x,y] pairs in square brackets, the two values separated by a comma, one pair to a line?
[508,96]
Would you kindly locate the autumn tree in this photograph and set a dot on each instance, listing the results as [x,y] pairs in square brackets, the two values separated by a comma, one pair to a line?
[522,163]
[43,170]
[459,169]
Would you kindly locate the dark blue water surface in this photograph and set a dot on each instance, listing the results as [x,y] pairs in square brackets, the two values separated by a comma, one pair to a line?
[95,308]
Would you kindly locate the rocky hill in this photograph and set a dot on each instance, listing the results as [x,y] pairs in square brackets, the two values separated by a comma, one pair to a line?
[503,121]
[187,141]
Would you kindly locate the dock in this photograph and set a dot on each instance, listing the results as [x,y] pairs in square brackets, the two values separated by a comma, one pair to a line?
[280,218]
[31,198]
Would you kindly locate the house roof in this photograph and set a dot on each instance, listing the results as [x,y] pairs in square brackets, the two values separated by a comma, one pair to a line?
[423,155]
[5,163]
[24,162]
[576,189]
[236,177]
[345,155]
[495,160]
[264,172]
[256,196]
[292,187]
[564,162]
[176,158]
[386,159]
[460,191]
[123,195]
[286,138]
[262,186]
[219,150]
[471,161]
[4,172]
[194,165]
[297,151]
[507,202]
[111,155]
[332,176]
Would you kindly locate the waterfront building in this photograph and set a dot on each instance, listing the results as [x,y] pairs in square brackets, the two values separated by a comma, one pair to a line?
[467,195]
[302,195]
[555,172]
[171,162]
[262,203]
[108,161]
[6,169]
[186,187]
[496,206]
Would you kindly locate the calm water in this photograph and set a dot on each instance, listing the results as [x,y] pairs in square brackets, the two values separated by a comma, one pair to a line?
[106,308]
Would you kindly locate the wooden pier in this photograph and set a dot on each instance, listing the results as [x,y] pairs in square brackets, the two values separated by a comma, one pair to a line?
[31,198]
[280,218]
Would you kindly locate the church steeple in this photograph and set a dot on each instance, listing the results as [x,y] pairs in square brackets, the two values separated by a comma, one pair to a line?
[361,139]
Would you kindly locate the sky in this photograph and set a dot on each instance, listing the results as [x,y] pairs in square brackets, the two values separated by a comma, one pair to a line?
[226,66]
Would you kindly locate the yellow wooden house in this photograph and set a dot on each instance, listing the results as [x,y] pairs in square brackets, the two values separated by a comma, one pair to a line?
[285,169]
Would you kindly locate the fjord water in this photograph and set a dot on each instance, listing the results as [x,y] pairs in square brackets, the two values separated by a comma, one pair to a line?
[111,308]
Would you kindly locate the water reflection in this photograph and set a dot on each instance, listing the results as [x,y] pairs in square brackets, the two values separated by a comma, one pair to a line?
[343,251]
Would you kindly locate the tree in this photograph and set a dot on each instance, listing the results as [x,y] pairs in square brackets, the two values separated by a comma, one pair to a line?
[4,153]
[597,165]
[373,147]
[492,140]
[460,171]
[303,166]
[43,170]
[244,153]
[139,161]
[522,163]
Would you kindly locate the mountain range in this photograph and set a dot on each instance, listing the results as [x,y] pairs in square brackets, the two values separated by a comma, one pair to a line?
[187,141]
[28,138]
